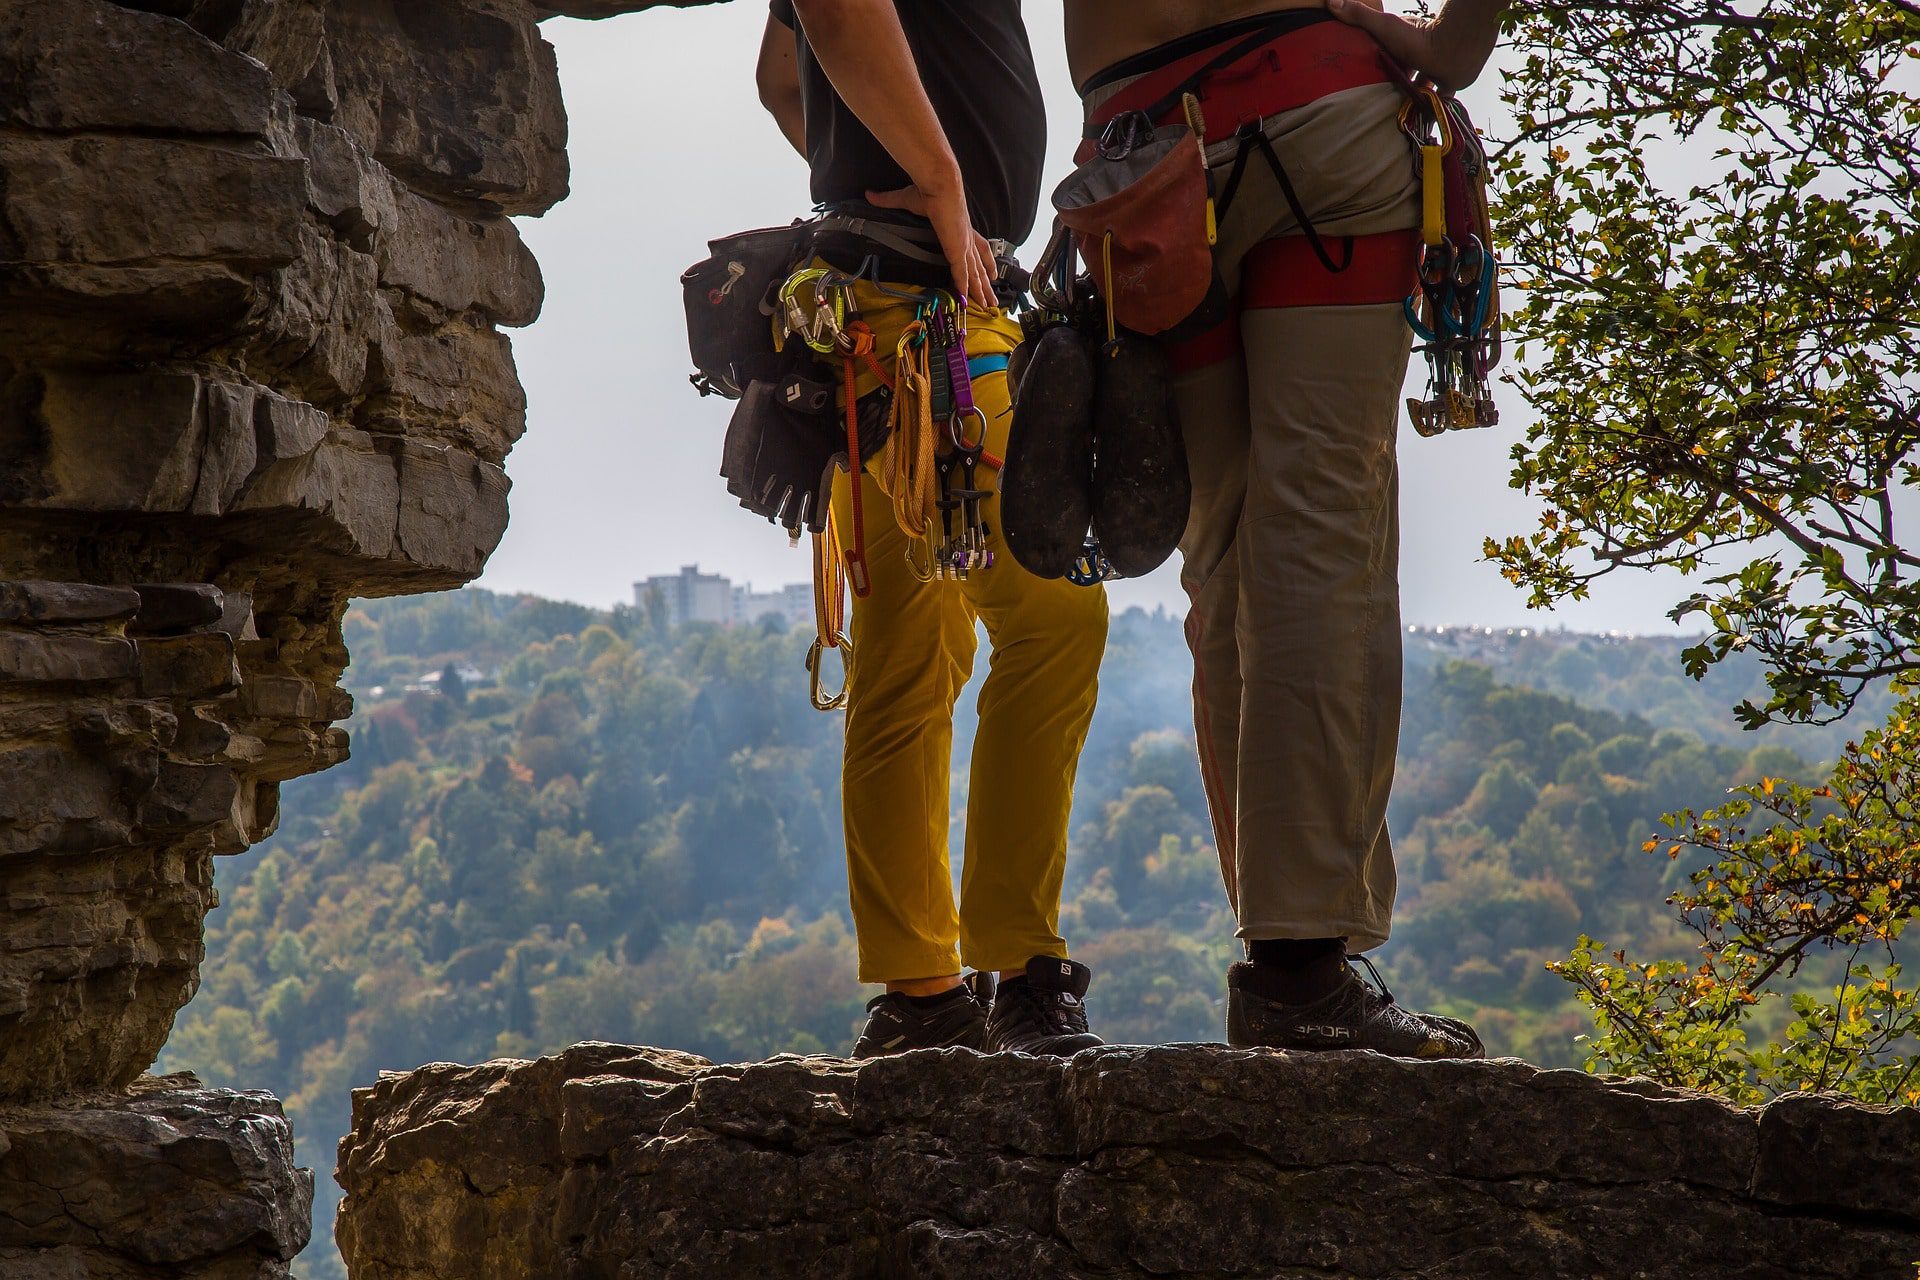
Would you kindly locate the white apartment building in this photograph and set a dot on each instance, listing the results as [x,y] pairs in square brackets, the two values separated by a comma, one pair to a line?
[692,596]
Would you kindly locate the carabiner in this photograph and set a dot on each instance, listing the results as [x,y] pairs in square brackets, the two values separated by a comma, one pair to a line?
[830,702]
[971,452]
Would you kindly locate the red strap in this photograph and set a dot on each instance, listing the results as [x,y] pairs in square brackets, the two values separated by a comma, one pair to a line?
[1284,272]
[1298,67]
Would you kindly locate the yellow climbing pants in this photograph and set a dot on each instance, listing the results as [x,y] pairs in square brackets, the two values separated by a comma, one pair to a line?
[913,649]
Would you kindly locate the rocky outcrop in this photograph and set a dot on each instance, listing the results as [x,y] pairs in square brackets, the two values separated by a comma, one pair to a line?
[165,1180]
[1187,1160]
[254,261]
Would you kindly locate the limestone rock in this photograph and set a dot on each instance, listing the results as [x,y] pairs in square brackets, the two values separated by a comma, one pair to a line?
[252,261]
[169,1180]
[1177,1160]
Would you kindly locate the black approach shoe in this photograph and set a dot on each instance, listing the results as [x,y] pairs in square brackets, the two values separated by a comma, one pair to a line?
[898,1023]
[1141,489]
[1042,1013]
[1356,1015]
[1046,488]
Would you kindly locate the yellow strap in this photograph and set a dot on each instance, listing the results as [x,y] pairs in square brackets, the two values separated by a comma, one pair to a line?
[1433,195]
[1433,189]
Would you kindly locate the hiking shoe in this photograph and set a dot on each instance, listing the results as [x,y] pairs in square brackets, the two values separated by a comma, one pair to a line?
[1046,488]
[899,1024]
[1042,1013]
[1355,1015]
[1141,490]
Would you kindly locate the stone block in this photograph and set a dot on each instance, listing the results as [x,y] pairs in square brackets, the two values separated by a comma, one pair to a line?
[167,607]
[190,666]
[453,507]
[88,65]
[189,795]
[170,1179]
[29,603]
[51,792]
[460,99]
[459,264]
[1817,1151]
[115,202]
[162,441]
[26,657]
[452,385]
[236,616]
[280,698]
[1127,1162]
[347,484]
[99,952]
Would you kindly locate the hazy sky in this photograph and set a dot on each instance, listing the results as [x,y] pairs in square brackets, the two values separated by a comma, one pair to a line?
[617,478]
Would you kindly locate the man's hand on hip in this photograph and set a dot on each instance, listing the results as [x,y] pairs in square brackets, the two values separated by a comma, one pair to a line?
[1452,48]
[968,254]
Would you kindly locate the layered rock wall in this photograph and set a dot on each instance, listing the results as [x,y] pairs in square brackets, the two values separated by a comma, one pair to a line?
[255,260]
[1190,1161]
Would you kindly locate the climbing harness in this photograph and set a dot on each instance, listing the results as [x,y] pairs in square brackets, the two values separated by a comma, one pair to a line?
[929,462]
[1454,308]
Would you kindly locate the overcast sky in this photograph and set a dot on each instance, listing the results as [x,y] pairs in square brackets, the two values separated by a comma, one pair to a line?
[616,478]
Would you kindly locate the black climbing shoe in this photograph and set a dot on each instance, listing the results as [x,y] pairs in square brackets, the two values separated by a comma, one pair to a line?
[1141,490]
[1042,1013]
[1046,488]
[1356,1015]
[898,1023]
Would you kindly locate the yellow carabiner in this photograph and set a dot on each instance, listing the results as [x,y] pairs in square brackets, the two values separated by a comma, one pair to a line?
[821,331]
[829,702]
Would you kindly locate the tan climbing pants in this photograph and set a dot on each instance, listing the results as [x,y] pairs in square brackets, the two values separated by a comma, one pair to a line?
[1291,555]
[913,649]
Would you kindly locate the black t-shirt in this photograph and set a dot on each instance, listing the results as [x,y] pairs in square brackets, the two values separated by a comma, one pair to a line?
[977,67]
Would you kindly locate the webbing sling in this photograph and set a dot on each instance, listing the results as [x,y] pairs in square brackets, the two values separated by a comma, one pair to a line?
[1254,134]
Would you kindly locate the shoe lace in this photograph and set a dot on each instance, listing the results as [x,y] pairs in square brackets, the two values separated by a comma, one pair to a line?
[1378,985]
[1053,1012]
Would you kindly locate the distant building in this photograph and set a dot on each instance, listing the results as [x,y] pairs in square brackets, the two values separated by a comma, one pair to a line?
[469,674]
[792,603]
[689,596]
[692,596]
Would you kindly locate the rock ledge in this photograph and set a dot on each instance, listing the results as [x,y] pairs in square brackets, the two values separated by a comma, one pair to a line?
[609,1161]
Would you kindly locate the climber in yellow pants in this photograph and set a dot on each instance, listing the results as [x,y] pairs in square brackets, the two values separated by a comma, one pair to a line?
[913,651]
[925,121]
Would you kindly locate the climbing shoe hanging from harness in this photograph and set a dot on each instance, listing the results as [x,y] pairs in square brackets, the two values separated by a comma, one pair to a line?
[1095,440]
[1141,491]
[1046,491]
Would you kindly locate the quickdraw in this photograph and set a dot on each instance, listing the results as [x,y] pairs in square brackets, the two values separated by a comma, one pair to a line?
[1452,308]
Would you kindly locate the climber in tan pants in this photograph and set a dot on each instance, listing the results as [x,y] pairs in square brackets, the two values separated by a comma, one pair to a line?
[1290,409]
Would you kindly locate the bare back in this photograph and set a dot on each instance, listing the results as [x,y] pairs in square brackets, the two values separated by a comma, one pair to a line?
[1102,32]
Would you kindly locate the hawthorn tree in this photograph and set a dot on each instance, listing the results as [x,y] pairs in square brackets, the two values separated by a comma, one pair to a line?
[1724,366]
[1710,207]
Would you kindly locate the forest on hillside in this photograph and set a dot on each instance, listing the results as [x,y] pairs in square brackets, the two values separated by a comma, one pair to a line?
[561,823]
